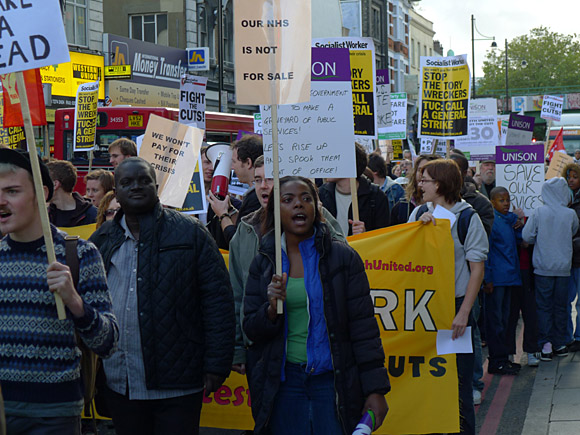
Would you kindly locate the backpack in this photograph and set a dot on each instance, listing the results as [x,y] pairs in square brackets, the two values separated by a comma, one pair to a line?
[89,360]
[462,223]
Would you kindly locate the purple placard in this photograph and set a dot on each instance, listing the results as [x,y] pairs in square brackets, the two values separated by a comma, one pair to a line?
[383,77]
[519,154]
[330,64]
[521,122]
[242,133]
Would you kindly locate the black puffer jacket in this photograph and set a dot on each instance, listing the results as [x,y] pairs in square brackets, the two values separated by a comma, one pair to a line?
[576,239]
[186,305]
[373,204]
[357,353]
[480,203]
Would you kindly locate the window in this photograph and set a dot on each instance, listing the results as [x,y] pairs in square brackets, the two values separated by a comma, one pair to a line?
[207,27]
[75,22]
[149,27]
[377,24]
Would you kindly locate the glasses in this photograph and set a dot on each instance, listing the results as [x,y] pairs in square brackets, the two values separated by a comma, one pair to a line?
[259,180]
[424,180]
[111,212]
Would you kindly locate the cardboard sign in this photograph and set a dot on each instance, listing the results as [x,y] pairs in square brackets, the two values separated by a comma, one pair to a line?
[32,35]
[557,164]
[444,98]
[363,73]
[520,129]
[483,130]
[192,101]
[552,108]
[384,115]
[316,139]
[195,201]
[172,149]
[85,130]
[272,51]
[398,128]
[520,169]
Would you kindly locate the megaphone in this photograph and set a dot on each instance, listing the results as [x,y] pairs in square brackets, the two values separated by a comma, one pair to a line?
[220,154]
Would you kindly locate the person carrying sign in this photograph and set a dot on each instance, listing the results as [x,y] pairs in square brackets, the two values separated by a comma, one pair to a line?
[316,368]
[172,296]
[39,354]
[441,183]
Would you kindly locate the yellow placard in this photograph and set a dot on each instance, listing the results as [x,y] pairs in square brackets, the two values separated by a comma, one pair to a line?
[65,78]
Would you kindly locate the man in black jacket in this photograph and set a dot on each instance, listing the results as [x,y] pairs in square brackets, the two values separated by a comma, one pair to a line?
[173,298]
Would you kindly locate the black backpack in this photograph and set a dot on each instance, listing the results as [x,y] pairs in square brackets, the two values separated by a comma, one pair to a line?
[462,223]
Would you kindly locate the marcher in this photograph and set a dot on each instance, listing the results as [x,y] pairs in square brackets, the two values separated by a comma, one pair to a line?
[98,183]
[502,278]
[440,184]
[108,208]
[173,299]
[487,172]
[552,264]
[121,149]
[40,369]
[321,371]
[393,191]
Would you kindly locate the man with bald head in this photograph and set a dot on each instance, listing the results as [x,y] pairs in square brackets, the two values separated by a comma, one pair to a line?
[172,295]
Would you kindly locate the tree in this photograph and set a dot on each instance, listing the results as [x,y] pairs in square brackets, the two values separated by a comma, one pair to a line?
[551,63]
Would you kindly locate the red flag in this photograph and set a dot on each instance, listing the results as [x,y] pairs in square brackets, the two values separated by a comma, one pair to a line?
[557,145]
[12,110]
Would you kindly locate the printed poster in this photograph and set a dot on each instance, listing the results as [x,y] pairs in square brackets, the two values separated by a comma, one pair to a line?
[192,101]
[483,130]
[86,104]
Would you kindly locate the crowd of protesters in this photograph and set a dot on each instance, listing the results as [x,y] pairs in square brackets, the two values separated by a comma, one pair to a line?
[154,298]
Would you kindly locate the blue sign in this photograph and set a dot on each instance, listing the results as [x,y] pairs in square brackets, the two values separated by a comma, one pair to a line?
[198,59]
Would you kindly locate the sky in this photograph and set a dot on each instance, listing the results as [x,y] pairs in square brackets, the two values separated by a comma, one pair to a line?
[504,19]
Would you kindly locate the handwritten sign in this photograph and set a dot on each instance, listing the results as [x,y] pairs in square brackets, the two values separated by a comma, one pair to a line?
[192,100]
[444,98]
[272,51]
[520,169]
[384,115]
[316,139]
[32,35]
[520,129]
[483,130]
[398,128]
[552,108]
[86,104]
[363,73]
[172,149]
[557,164]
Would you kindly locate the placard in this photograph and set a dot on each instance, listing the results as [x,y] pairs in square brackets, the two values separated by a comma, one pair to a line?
[398,128]
[520,129]
[272,51]
[195,201]
[32,35]
[258,123]
[520,169]
[384,116]
[444,97]
[363,73]
[552,108]
[85,130]
[316,139]
[557,164]
[192,100]
[483,130]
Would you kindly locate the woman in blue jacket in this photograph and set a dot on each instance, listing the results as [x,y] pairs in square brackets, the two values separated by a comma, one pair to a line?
[316,368]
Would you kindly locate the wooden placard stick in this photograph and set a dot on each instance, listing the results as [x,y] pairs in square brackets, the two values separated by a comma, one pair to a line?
[91,155]
[38,186]
[276,193]
[447,148]
[433,146]
[354,199]
[390,151]
[548,128]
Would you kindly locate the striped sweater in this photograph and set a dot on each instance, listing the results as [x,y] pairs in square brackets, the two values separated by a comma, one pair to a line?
[39,359]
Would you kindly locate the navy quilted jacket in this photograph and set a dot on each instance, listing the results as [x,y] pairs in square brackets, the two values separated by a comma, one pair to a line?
[186,305]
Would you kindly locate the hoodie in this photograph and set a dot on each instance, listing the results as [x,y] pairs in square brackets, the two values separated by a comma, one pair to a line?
[502,267]
[551,227]
[84,213]
[474,250]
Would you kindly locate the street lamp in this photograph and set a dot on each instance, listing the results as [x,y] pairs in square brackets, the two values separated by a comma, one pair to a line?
[507,59]
[473,39]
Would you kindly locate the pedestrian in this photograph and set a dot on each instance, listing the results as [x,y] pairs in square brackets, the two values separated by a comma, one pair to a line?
[551,228]
[99,182]
[392,190]
[108,208]
[502,278]
[318,366]
[172,296]
[39,354]
[121,149]
[440,183]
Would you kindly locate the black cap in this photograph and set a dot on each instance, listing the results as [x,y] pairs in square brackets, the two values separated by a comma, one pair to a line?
[21,159]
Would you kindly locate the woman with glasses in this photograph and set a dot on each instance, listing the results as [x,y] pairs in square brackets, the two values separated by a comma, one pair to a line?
[440,183]
[108,208]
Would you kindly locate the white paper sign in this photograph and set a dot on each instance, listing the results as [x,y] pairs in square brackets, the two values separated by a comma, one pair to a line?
[446,345]
[398,128]
[258,123]
[31,35]
[552,108]
[483,131]
[192,101]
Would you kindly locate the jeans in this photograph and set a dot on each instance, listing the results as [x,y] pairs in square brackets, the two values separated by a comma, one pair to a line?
[574,291]
[497,311]
[305,404]
[177,415]
[43,425]
[465,375]
[523,299]
[478,361]
[552,302]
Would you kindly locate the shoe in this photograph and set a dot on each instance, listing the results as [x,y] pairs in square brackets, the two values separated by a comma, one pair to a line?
[561,351]
[502,369]
[514,365]
[574,347]
[476,397]
[533,360]
[546,356]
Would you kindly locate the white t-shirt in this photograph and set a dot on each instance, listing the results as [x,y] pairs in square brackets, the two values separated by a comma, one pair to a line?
[342,205]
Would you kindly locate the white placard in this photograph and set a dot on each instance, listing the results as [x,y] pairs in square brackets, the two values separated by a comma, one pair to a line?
[398,128]
[384,116]
[258,123]
[483,131]
[192,101]
[31,35]
[552,108]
